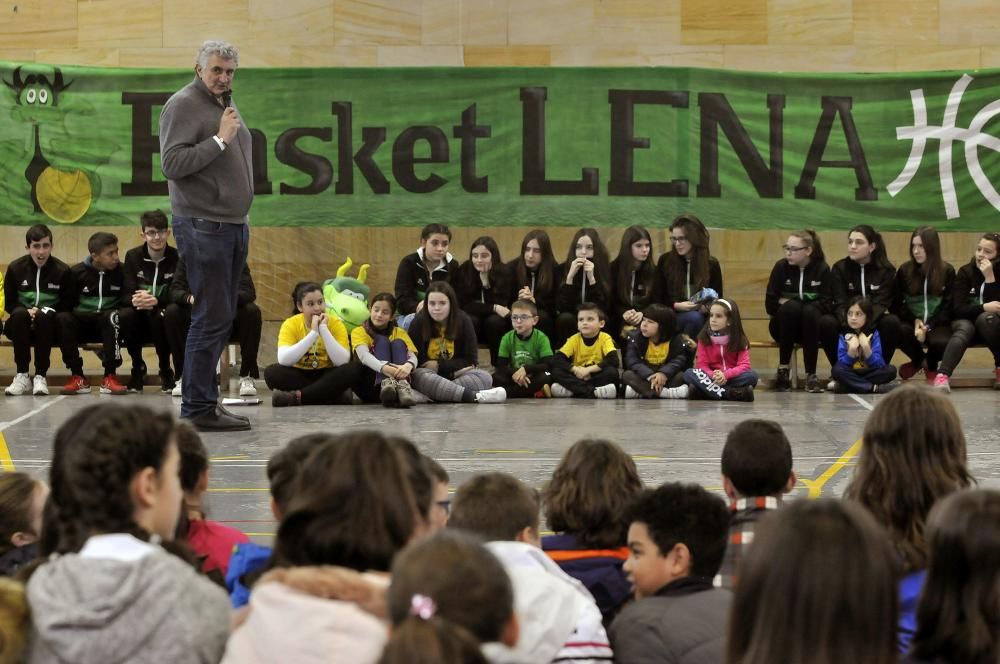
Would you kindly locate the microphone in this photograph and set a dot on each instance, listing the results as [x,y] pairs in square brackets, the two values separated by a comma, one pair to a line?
[227,98]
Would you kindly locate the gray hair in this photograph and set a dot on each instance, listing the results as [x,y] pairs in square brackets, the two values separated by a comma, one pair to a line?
[224,50]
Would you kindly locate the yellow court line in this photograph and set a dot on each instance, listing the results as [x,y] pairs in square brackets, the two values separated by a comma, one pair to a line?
[643,456]
[5,461]
[816,486]
[230,458]
[259,534]
[236,490]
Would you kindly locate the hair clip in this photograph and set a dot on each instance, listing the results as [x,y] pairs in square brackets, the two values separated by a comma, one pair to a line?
[422,607]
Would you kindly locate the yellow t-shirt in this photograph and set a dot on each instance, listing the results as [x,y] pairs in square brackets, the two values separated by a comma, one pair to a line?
[582,355]
[360,337]
[294,330]
[656,354]
[440,347]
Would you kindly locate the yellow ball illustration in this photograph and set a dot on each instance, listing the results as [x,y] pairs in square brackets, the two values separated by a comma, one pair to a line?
[64,196]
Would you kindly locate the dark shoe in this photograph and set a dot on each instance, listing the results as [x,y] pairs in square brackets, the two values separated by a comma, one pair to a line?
[232,414]
[782,383]
[885,388]
[812,384]
[218,420]
[739,393]
[282,399]
[136,382]
[167,381]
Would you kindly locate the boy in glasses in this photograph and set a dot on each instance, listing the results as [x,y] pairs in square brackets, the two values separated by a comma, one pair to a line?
[522,360]
[149,269]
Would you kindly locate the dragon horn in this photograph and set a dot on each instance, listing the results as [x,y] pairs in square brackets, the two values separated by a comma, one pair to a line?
[342,270]
[363,273]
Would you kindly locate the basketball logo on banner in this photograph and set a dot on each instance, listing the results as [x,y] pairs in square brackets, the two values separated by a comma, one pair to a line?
[947,133]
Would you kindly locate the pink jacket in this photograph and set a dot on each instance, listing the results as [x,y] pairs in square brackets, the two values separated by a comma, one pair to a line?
[715,356]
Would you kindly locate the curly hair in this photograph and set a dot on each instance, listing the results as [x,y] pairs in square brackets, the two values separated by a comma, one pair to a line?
[95,455]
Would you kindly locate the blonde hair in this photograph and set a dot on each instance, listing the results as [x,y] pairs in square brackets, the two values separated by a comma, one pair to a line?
[14,620]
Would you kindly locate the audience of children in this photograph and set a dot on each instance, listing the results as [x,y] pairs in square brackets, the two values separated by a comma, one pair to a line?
[559,620]
[676,540]
[314,355]
[483,288]
[387,354]
[756,473]
[585,504]
[587,364]
[522,363]
[722,362]
[861,367]
[656,356]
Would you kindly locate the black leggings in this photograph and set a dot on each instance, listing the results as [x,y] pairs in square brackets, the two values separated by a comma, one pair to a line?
[986,331]
[318,386]
[936,341]
[797,322]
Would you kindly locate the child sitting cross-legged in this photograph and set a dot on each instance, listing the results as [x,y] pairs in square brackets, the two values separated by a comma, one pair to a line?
[656,356]
[861,366]
[722,363]
[522,361]
[587,365]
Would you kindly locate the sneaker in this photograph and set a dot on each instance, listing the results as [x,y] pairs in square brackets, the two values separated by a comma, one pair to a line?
[176,392]
[782,382]
[40,386]
[282,399]
[405,394]
[136,382]
[631,393]
[680,392]
[389,395]
[739,393]
[167,383]
[942,383]
[832,386]
[885,388]
[248,388]
[908,371]
[20,385]
[111,385]
[544,393]
[560,392]
[76,385]
[812,384]
[931,377]
[606,392]
[492,395]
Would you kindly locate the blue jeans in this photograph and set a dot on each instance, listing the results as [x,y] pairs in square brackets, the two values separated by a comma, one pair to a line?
[690,323]
[214,256]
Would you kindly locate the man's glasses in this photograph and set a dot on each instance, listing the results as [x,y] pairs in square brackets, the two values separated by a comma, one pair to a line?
[152,235]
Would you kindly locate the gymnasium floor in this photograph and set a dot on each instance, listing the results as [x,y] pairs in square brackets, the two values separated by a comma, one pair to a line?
[670,440]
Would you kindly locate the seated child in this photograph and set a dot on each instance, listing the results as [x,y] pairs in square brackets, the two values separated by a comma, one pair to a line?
[756,473]
[212,541]
[587,365]
[860,367]
[656,355]
[558,618]
[314,359]
[722,363]
[22,499]
[521,365]
[677,538]
[387,354]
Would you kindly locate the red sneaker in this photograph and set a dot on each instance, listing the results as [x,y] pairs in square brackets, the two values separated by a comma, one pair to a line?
[931,375]
[908,371]
[110,385]
[76,385]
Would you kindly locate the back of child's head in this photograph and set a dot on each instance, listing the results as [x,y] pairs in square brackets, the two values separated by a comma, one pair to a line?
[194,456]
[284,466]
[388,298]
[352,506]
[589,493]
[438,471]
[819,586]
[465,583]
[37,233]
[912,454]
[96,454]
[757,458]
[676,513]
[15,621]
[594,307]
[18,493]
[526,306]
[495,506]
[100,241]
[958,619]
[300,291]
[435,229]
[419,474]
[154,219]
[664,318]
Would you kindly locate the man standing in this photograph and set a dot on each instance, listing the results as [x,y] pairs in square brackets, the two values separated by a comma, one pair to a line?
[205,153]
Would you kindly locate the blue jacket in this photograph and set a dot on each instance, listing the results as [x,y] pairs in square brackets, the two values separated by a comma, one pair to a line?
[599,570]
[876,361]
[246,559]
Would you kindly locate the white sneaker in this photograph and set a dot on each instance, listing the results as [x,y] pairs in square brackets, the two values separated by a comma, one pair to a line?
[20,385]
[606,392]
[247,387]
[560,392]
[492,395]
[831,386]
[681,392]
[630,393]
[40,386]
[176,392]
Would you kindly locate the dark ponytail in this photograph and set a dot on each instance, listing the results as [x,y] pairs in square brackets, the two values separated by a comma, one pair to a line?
[431,641]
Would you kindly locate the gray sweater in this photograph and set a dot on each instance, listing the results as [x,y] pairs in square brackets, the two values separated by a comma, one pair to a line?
[204,181]
[98,611]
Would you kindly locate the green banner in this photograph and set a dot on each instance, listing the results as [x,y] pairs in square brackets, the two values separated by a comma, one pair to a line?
[525,146]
